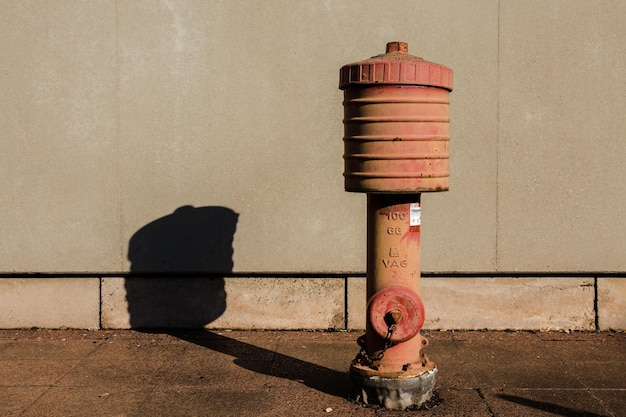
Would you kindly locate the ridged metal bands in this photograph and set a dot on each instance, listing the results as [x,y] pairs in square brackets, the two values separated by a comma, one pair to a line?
[396,139]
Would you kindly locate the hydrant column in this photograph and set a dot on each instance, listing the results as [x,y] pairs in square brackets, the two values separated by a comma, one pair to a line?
[396,135]
[393,271]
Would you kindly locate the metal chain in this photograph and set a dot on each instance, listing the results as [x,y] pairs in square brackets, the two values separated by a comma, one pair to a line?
[387,345]
[366,359]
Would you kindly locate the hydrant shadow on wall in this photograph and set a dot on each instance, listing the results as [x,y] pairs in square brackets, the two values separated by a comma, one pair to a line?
[396,136]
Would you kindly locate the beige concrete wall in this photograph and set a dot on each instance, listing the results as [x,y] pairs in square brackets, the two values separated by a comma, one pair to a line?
[561,136]
[59,184]
[116,114]
[50,303]
[611,303]
[231,303]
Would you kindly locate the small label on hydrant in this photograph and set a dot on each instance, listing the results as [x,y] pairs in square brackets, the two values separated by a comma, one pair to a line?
[416,215]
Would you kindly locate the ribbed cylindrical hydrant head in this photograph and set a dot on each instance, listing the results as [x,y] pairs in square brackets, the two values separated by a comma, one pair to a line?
[396,124]
[396,135]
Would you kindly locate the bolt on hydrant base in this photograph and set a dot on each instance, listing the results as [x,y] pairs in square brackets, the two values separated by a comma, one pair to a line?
[396,135]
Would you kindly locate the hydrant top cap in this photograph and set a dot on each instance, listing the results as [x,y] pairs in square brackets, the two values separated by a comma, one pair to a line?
[396,66]
[401,47]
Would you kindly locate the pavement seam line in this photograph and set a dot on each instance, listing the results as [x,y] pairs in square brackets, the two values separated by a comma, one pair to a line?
[55,383]
[481,394]
[579,380]
[596,312]
[35,400]
[599,400]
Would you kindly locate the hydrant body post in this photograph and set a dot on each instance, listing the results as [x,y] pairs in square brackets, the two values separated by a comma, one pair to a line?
[393,280]
[396,139]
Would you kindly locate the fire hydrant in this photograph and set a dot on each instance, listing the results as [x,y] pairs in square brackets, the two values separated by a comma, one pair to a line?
[396,136]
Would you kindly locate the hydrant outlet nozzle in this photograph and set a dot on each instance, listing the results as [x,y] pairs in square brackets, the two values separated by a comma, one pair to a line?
[393,317]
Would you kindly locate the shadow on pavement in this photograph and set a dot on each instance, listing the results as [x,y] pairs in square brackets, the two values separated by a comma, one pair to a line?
[175,283]
[271,363]
[549,407]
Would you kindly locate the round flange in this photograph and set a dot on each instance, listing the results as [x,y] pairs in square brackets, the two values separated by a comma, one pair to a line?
[399,306]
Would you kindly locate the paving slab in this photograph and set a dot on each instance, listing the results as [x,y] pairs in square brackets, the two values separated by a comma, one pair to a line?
[34,373]
[89,401]
[14,400]
[274,373]
[541,402]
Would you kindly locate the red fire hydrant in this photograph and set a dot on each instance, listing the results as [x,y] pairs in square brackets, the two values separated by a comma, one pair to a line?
[396,140]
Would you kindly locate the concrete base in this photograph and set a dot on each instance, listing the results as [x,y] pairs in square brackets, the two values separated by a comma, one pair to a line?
[395,393]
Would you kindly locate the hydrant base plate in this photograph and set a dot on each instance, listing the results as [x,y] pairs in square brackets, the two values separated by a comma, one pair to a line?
[395,393]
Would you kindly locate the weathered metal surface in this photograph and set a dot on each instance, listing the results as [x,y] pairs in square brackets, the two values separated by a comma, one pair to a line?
[366,366]
[393,241]
[393,261]
[396,66]
[395,393]
[396,139]
[399,307]
[396,124]
[396,136]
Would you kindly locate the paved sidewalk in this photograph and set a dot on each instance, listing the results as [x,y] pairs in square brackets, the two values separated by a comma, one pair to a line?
[208,373]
